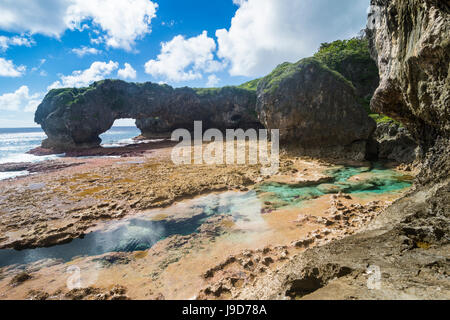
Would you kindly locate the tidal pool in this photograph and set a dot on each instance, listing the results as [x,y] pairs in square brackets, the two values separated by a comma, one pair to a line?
[358,180]
[185,218]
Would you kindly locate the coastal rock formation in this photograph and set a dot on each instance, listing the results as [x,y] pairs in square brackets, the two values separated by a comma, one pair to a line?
[314,107]
[394,142]
[74,118]
[404,253]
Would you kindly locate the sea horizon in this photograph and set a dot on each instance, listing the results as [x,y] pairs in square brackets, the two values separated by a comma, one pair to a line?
[15,143]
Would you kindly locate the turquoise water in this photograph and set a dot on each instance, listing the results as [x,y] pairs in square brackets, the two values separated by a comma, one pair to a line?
[378,180]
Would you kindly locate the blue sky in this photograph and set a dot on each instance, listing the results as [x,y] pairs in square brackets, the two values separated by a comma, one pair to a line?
[48,44]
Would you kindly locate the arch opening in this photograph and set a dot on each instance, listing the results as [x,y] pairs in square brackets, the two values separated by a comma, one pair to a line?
[122,133]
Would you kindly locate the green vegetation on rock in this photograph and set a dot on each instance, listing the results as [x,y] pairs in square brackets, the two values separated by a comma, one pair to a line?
[251,85]
[287,70]
[334,54]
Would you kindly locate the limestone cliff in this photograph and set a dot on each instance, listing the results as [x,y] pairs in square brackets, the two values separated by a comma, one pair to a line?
[410,41]
[312,105]
[393,142]
[352,59]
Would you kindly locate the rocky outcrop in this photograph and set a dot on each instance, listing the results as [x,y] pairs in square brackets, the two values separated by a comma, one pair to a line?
[394,142]
[314,107]
[74,118]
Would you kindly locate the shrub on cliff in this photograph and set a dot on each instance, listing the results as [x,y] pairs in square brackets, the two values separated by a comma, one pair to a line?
[351,58]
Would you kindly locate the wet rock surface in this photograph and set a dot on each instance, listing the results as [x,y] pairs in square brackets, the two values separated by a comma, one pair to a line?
[244,276]
[65,207]
[47,166]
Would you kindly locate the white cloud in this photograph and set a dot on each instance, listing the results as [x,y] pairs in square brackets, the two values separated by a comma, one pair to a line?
[264,33]
[41,63]
[185,59]
[8,69]
[20,100]
[213,81]
[81,52]
[44,16]
[83,78]
[6,42]
[122,21]
[127,73]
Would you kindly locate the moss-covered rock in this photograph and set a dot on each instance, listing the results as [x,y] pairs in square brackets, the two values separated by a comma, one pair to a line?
[313,106]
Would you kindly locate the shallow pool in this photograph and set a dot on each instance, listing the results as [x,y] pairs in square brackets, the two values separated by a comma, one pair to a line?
[185,218]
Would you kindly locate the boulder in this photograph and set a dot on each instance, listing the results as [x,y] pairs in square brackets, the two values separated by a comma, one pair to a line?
[395,143]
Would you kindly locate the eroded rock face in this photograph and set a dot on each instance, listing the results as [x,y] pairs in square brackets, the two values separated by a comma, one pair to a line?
[74,118]
[313,106]
[410,42]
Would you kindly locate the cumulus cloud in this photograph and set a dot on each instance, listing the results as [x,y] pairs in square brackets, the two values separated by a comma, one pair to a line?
[8,69]
[184,59]
[83,78]
[213,81]
[20,100]
[6,42]
[122,21]
[81,52]
[41,16]
[264,33]
[127,73]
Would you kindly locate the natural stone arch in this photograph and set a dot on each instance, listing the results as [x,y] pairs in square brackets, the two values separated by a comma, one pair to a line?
[74,118]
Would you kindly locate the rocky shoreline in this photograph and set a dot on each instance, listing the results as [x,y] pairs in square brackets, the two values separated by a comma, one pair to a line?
[334,245]
[342,215]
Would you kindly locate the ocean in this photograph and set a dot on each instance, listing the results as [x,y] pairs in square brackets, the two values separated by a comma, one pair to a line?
[16,142]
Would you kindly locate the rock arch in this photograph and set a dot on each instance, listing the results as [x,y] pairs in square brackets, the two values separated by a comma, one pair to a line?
[74,118]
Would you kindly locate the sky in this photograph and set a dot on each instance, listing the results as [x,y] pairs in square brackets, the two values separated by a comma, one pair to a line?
[46,44]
